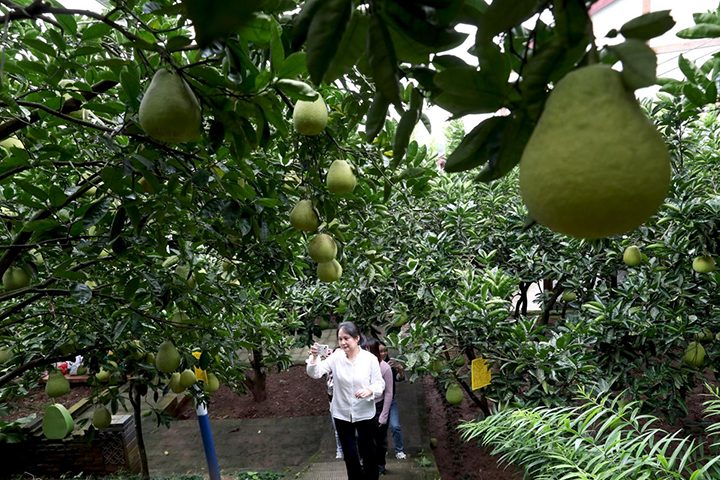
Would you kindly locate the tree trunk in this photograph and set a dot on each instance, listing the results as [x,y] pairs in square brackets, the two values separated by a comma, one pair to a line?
[135,401]
[481,402]
[523,300]
[258,384]
[557,291]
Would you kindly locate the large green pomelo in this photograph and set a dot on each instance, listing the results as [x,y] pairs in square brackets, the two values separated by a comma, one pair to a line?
[57,423]
[323,248]
[212,384]
[11,142]
[595,165]
[303,216]
[175,385]
[694,355]
[167,359]
[6,353]
[568,296]
[329,271]
[57,385]
[632,256]
[169,110]
[340,178]
[15,278]
[102,418]
[187,378]
[310,118]
[454,394]
[704,264]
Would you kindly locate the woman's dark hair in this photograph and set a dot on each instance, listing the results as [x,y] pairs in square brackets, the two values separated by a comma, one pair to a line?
[373,346]
[350,328]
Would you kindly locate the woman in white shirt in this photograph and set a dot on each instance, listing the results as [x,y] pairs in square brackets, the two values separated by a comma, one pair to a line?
[357,383]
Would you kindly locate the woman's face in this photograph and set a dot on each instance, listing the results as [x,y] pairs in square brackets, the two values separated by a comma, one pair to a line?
[383,353]
[347,342]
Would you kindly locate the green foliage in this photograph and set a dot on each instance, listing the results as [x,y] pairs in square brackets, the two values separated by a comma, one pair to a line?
[601,438]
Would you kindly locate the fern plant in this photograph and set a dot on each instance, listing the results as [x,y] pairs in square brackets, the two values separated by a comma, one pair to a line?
[599,439]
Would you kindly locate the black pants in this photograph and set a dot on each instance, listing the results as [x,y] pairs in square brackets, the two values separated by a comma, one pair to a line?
[380,437]
[365,442]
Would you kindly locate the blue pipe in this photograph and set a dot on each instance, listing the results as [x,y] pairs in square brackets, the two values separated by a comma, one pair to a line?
[208,444]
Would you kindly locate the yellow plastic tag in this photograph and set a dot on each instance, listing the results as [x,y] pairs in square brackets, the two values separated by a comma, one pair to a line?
[480,372]
[199,373]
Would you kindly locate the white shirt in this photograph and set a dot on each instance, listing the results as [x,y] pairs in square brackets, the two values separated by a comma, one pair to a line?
[348,378]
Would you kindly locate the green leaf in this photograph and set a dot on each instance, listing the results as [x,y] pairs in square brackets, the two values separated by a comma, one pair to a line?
[131,287]
[711,93]
[472,151]
[204,360]
[68,23]
[273,113]
[689,69]
[506,146]
[57,196]
[503,15]
[302,22]
[639,63]
[36,192]
[277,51]
[387,191]
[96,212]
[257,29]
[118,224]
[40,46]
[96,30]
[177,42]
[41,225]
[410,20]
[113,178]
[426,121]
[468,91]
[376,117]
[704,30]
[293,65]
[382,61]
[694,94]
[649,25]
[216,19]
[297,90]
[351,48]
[130,81]
[325,34]
[402,136]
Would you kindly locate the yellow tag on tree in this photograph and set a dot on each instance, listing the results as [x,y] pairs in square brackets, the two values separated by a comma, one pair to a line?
[480,372]
[199,373]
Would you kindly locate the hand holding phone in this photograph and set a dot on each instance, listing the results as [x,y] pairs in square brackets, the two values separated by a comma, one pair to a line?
[323,350]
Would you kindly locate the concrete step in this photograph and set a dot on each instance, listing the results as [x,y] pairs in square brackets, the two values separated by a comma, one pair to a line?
[395,469]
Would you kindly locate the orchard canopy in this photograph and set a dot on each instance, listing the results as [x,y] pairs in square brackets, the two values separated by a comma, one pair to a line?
[166,166]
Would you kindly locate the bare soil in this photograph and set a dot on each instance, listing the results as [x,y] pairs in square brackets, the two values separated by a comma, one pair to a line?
[455,458]
[290,394]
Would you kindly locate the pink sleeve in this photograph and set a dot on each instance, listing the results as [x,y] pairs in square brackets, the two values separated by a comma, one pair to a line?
[388,396]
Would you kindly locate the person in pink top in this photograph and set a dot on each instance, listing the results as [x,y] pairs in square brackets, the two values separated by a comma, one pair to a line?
[382,405]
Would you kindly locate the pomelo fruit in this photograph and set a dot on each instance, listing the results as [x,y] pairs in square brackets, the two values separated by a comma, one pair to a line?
[303,216]
[323,248]
[632,256]
[329,271]
[310,118]
[340,178]
[169,110]
[595,166]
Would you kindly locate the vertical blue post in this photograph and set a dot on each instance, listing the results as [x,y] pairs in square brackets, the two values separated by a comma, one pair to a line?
[208,444]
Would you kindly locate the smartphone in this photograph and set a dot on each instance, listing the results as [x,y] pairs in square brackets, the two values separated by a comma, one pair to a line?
[323,350]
